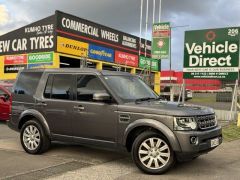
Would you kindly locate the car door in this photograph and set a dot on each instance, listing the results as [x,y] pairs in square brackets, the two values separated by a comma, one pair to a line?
[4,105]
[57,102]
[93,120]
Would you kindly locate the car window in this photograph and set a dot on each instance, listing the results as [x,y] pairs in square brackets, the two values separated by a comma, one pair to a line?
[87,85]
[61,87]
[27,83]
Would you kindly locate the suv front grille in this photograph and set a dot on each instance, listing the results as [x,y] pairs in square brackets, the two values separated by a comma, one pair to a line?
[206,121]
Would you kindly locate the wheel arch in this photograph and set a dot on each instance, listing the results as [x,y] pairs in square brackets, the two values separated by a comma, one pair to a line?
[141,125]
[33,114]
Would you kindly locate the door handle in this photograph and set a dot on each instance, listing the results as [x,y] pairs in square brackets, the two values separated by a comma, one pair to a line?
[79,107]
[41,104]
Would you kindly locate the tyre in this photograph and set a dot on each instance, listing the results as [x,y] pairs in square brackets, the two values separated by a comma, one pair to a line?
[152,153]
[33,138]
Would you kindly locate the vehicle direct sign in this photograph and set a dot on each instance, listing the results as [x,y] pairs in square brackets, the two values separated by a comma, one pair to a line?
[211,54]
[73,47]
[40,58]
[160,40]
[126,59]
[145,62]
[15,59]
[101,53]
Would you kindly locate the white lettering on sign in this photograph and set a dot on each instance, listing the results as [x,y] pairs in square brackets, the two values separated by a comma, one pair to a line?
[109,35]
[19,44]
[81,27]
[197,52]
[4,46]
[213,48]
[41,42]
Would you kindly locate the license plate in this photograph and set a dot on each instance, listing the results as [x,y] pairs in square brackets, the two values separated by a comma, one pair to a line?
[214,142]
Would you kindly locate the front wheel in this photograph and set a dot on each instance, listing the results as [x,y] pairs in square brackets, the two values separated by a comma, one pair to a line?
[33,138]
[152,153]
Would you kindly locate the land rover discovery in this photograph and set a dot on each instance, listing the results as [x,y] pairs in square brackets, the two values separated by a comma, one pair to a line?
[113,110]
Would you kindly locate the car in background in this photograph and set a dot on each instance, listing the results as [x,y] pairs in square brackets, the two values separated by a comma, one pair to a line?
[5,101]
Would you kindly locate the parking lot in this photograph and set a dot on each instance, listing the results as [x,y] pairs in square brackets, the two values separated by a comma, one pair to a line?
[64,161]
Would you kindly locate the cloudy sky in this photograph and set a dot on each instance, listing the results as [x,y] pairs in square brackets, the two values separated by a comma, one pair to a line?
[124,15]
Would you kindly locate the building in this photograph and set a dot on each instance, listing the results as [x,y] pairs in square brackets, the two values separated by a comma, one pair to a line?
[63,40]
[192,84]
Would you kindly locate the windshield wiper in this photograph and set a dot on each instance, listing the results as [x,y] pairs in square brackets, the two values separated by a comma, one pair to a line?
[144,99]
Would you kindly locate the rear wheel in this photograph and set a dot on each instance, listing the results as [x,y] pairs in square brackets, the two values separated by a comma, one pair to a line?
[33,138]
[152,153]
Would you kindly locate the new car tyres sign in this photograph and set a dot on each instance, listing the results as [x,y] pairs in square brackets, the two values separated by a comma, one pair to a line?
[36,37]
[211,53]
[160,40]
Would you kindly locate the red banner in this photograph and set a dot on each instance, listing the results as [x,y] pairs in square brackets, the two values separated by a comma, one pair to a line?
[126,58]
[15,59]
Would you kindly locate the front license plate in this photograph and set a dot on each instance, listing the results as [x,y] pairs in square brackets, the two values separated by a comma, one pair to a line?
[214,142]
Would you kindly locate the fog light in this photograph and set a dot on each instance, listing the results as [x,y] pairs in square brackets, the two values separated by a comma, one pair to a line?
[194,140]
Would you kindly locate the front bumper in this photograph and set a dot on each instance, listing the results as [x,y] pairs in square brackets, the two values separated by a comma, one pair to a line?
[190,150]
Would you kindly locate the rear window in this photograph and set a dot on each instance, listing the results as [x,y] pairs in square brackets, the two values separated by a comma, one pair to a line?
[27,83]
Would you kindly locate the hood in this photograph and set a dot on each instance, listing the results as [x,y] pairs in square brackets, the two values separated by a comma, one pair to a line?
[166,108]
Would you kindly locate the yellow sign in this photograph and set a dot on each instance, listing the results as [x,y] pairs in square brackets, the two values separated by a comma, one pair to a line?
[69,46]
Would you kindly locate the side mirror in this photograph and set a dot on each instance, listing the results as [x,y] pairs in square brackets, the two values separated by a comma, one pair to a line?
[101,97]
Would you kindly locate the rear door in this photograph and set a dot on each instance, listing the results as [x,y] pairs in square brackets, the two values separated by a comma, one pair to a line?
[56,104]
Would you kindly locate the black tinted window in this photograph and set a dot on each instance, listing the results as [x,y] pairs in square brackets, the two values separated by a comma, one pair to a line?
[87,85]
[61,88]
[27,83]
[48,88]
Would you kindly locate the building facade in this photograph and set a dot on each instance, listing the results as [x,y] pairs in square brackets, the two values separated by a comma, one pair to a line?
[63,40]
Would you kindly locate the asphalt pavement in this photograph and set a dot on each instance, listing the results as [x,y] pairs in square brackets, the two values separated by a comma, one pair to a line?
[64,161]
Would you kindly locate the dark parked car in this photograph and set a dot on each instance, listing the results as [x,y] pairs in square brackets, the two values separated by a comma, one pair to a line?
[5,103]
[113,110]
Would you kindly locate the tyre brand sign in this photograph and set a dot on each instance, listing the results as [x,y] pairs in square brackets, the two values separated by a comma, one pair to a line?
[15,59]
[126,58]
[145,62]
[40,58]
[211,54]
[73,47]
[101,53]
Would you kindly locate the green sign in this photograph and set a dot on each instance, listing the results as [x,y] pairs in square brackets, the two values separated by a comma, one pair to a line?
[211,54]
[161,40]
[144,62]
[40,58]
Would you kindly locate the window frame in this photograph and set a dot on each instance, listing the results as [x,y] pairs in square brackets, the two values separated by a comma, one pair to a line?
[54,99]
[113,100]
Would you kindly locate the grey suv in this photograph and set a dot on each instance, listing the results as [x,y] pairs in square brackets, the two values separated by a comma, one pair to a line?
[113,110]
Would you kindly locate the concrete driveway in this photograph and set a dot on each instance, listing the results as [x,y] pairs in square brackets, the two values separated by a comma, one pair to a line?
[77,162]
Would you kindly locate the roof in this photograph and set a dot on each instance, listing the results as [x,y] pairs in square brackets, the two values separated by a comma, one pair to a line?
[76,70]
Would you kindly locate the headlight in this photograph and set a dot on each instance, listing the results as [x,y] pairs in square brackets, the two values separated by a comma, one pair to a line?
[185,123]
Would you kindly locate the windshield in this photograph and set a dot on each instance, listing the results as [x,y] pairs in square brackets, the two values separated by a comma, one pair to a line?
[130,88]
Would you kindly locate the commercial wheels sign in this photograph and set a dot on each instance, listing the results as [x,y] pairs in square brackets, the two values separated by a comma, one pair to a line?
[211,54]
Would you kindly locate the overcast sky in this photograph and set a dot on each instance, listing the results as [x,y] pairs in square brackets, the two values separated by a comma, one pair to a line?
[124,15]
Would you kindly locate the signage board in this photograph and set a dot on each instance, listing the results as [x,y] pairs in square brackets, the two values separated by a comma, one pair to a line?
[39,65]
[15,59]
[35,37]
[73,47]
[40,57]
[211,54]
[161,33]
[126,59]
[14,68]
[145,62]
[101,53]
[81,29]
